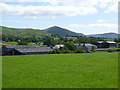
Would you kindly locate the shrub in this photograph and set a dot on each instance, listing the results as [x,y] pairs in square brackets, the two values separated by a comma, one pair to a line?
[24,53]
[93,49]
[66,50]
[56,51]
[71,46]
[110,50]
[50,52]
[22,43]
[63,51]
[118,50]
[79,50]
[118,45]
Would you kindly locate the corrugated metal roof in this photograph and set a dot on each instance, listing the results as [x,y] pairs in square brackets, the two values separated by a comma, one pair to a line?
[30,48]
[105,42]
[86,44]
[99,41]
[110,42]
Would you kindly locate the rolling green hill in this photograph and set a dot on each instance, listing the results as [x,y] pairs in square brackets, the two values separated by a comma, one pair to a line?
[105,35]
[61,31]
[22,32]
[28,32]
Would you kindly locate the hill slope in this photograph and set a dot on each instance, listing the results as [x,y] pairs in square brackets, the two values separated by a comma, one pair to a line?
[61,31]
[105,35]
[22,32]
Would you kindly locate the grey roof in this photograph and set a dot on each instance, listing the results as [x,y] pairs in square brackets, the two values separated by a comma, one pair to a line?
[105,42]
[86,44]
[99,41]
[110,42]
[29,48]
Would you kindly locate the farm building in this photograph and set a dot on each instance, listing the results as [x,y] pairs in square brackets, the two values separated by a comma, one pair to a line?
[85,47]
[89,46]
[105,44]
[58,46]
[24,49]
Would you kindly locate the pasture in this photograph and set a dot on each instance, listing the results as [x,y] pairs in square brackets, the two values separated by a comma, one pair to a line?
[15,43]
[87,70]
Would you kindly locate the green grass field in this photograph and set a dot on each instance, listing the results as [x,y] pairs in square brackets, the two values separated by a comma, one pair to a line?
[107,49]
[15,43]
[12,43]
[88,70]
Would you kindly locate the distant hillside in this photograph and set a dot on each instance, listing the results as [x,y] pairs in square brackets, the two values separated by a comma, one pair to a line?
[61,31]
[105,35]
[22,32]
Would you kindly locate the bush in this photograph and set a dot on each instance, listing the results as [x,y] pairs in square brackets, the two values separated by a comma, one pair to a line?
[63,51]
[22,43]
[71,46]
[67,51]
[118,45]
[50,52]
[110,50]
[56,51]
[24,53]
[118,50]
[79,50]
[93,49]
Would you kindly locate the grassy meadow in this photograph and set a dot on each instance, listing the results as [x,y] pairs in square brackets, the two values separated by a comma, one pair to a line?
[15,43]
[87,70]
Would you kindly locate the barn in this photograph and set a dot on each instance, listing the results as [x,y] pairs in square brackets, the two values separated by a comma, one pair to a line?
[105,44]
[24,49]
[58,46]
[89,46]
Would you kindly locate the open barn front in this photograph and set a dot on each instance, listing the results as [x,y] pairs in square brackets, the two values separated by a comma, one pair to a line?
[105,44]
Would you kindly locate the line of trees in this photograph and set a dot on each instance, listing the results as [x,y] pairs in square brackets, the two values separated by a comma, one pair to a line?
[51,41]
[69,47]
[17,38]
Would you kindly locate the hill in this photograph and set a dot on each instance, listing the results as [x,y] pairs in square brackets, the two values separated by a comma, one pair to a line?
[22,32]
[61,31]
[105,35]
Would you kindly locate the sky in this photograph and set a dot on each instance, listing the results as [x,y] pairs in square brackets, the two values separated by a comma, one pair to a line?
[81,16]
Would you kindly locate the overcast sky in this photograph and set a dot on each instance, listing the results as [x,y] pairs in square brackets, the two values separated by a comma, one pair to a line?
[82,16]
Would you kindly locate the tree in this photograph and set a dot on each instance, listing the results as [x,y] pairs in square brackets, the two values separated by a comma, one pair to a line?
[79,50]
[65,39]
[93,49]
[49,41]
[71,46]
[71,39]
[115,40]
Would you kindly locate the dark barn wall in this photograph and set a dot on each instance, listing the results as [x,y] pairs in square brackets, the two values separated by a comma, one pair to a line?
[12,52]
[113,45]
[102,45]
[9,51]
[15,52]
[105,45]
